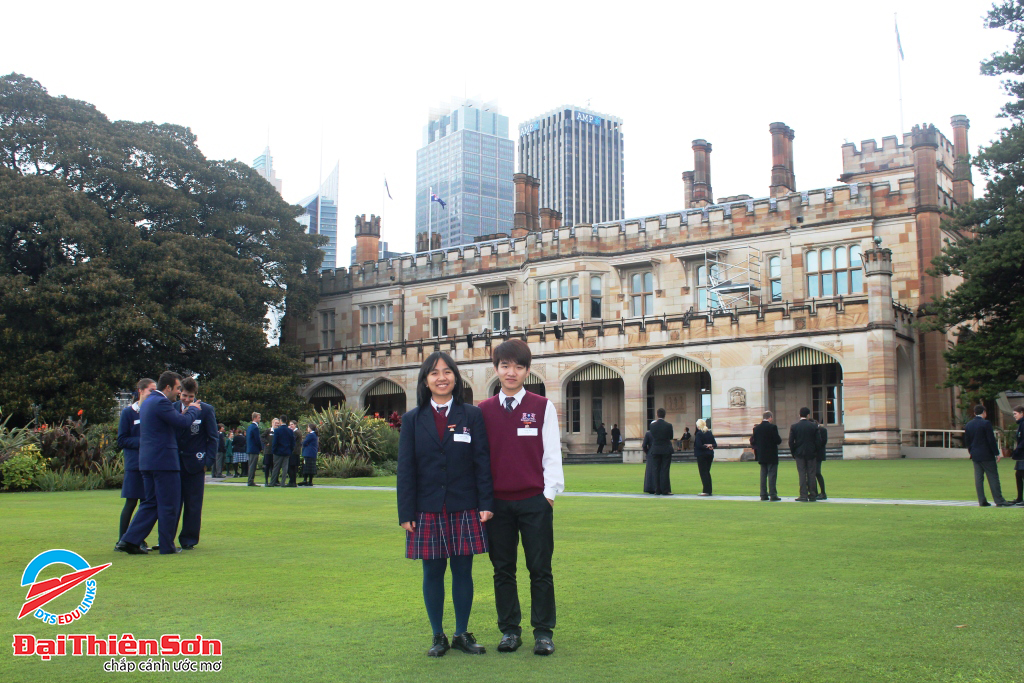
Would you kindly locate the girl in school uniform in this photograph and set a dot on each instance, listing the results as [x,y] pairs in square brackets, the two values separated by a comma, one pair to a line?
[444,495]
[310,444]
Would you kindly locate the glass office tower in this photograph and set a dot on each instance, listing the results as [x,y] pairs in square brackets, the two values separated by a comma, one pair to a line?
[264,165]
[321,217]
[577,156]
[468,160]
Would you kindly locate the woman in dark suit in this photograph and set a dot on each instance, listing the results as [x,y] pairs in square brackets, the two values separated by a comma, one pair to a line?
[444,494]
[310,444]
[704,446]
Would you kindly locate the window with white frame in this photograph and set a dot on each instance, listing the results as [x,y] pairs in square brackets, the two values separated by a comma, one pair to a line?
[327,329]
[775,278]
[376,322]
[596,296]
[499,311]
[827,393]
[572,408]
[558,299]
[641,294]
[834,271]
[702,289]
[439,317]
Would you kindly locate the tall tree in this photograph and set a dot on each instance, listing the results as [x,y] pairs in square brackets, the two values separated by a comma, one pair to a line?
[124,251]
[986,311]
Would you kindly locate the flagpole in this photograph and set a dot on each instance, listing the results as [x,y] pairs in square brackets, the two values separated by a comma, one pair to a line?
[430,215]
[899,72]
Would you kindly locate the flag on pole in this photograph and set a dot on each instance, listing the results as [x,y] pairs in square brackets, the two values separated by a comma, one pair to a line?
[387,189]
[435,198]
[899,46]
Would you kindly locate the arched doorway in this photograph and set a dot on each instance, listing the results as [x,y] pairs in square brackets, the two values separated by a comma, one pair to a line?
[683,388]
[534,384]
[467,394]
[383,398]
[594,394]
[806,377]
[326,395]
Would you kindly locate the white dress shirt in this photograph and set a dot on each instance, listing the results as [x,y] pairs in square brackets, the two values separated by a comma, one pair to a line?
[551,462]
[447,406]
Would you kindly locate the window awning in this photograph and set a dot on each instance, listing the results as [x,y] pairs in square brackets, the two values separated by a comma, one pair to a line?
[533,379]
[594,372]
[385,388]
[328,391]
[803,356]
[678,366]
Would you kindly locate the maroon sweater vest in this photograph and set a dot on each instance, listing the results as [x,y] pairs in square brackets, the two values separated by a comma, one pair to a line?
[516,461]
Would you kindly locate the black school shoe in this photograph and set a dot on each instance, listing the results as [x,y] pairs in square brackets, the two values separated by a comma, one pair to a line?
[440,646]
[510,642]
[467,643]
[543,646]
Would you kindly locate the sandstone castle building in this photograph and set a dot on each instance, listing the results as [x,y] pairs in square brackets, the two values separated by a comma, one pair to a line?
[720,310]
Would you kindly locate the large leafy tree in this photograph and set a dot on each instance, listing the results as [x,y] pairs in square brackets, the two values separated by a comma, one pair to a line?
[124,252]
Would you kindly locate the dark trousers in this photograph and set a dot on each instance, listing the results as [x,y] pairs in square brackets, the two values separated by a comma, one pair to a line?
[987,468]
[218,464]
[660,466]
[807,469]
[280,463]
[161,504]
[192,486]
[600,446]
[253,459]
[819,478]
[126,515]
[1018,475]
[769,473]
[704,469]
[533,520]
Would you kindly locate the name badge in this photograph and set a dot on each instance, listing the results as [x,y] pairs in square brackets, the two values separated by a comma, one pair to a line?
[463,438]
[138,421]
[527,431]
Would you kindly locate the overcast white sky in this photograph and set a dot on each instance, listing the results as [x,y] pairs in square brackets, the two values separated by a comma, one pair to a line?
[368,73]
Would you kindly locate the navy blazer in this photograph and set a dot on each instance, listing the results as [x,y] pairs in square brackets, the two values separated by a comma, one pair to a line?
[661,433]
[803,439]
[253,442]
[310,444]
[128,430]
[1018,450]
[198,443]
[284,440]
[443,473]
[700,442]
[980,439]
[158,433]
[765,441]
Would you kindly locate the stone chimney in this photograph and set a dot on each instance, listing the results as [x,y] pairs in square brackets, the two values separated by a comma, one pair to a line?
[421,241]
[963,184]
[527,214]
[782,159]
[367,238]
[687,188]
[702,193]
[550,219]
[789,157]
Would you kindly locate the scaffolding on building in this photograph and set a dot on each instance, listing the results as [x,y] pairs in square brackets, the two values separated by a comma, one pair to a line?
[733,285]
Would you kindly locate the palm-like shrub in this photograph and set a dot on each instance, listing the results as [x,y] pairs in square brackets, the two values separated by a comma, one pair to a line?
[344,431]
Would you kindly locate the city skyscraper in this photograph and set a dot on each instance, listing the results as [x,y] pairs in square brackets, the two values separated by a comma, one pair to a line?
[321,217]
[577,155]
[468,160]
[264,165]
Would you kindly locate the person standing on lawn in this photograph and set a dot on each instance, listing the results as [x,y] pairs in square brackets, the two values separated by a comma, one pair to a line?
[820,460]
[526,463]
[765,441]
[253,446]
[128,430]
[268,450]
[159,463]
[284,444]
[1018,456]
[227,438]
[981,444]
[197,448]
[310,444]
[239,454]
[803,445]
[704,446]
[295,459]
[659,457]
[444,495]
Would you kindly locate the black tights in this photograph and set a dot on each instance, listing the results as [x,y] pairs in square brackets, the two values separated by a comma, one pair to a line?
[126,514]
[1019,474]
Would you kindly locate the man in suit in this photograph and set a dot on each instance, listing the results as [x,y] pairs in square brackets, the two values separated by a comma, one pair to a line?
[293,461]
[128,431]
[159,463]
[648,470]
[819,460]
[284,443]
[661,454]
[803,444]
[253,446]
[765,441]
[197,450]
[616,434]
[981,444]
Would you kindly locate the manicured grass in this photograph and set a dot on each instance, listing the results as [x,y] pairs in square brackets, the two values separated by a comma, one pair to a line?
[314,586]
[901,479]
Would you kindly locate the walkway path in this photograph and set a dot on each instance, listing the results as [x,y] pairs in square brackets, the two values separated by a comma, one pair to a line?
[573,494]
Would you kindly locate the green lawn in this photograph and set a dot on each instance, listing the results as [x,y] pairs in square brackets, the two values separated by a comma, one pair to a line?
[311,586]
[903,479]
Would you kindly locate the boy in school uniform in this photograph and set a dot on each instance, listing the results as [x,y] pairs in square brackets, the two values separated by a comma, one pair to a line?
[526,467]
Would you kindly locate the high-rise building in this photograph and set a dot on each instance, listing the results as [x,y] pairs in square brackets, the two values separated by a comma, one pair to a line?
[321,217]
[577,156]
[264,165]
[468,160]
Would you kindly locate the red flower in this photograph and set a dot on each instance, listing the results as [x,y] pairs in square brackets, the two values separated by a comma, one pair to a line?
[80,413]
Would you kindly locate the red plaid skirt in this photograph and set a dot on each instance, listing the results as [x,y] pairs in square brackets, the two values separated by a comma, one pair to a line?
[445,534]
